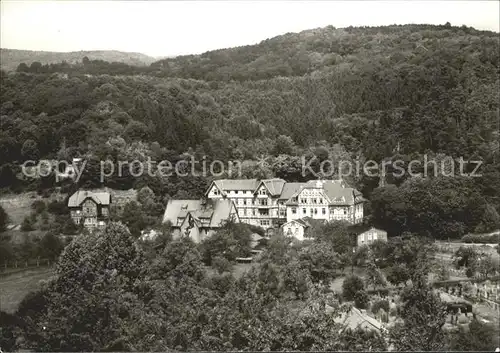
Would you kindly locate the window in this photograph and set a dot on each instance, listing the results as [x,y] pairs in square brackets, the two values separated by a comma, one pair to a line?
[245,202]
[304,211]
[374,236]
[264,222]
[315,211]
[320,200]
[294,210]
[295,230]
[263,202]
[264,212]
[345,210]
[253,212]
[236,191]
[323,210]
[244,211]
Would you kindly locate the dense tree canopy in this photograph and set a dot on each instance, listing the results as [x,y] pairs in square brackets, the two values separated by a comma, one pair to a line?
[398,93]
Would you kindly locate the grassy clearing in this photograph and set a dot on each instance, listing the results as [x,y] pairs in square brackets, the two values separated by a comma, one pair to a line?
[18,206]
[15,287]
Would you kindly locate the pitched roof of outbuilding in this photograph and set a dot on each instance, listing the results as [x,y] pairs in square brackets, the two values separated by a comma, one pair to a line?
[300,221]
[355,318]
[210,212]
[376,230]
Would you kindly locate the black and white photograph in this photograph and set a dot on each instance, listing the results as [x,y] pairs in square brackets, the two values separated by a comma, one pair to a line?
[249,176]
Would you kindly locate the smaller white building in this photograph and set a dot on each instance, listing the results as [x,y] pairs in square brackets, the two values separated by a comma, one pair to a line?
[368,237]
[296,228]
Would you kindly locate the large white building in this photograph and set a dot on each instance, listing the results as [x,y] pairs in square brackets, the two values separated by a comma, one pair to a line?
[327,200]
[270,203]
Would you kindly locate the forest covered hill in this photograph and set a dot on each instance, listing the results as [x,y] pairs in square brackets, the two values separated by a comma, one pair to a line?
[11,58]
[377,93]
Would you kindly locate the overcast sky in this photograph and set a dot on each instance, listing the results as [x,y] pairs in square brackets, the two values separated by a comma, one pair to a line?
[171,28]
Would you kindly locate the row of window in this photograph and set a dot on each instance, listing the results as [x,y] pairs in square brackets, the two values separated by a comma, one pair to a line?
[253,212]
[250,202]
[236,192]
[313,210]
[311,200]
[86,210]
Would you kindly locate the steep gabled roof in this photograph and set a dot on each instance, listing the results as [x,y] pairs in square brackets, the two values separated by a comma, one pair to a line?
[376,230]
[336,191]
[212,213]
[274,186]
[100,198]
[236,184]
[225,185]
[355,318]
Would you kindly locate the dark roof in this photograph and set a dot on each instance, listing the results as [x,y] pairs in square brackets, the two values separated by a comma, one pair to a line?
[289,189]
[100,198]
[210,213]
[337,192]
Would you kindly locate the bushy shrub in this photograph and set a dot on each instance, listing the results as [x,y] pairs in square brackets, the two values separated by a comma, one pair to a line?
[469,272]
[38,206]
[380,304]
[361,299]
[351,286]
[28,224]
[57,207]
[221,264]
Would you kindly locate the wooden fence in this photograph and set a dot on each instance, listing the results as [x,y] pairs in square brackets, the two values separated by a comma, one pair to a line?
[9,267]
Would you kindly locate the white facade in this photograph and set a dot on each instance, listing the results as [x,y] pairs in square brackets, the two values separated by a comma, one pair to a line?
[266,203]
[371,235]
[255,207]
[312,201]
[294,229]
